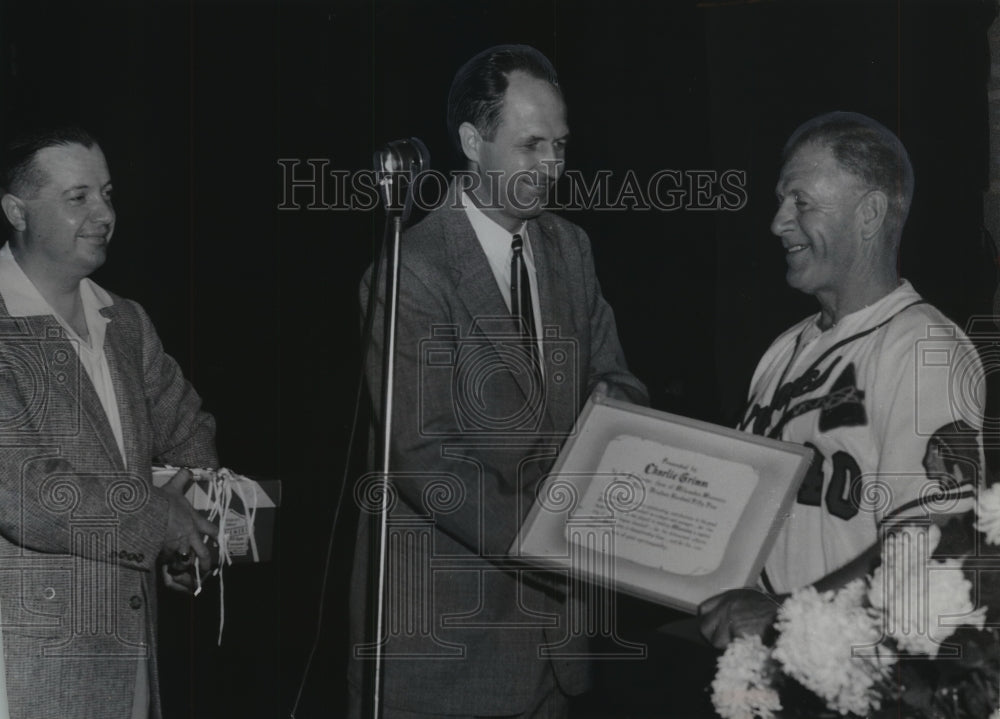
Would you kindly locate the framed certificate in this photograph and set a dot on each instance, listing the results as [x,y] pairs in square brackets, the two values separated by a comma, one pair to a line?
[667,508]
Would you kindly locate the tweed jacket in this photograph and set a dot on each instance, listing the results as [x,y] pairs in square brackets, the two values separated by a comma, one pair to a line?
[79,530]
[472,434]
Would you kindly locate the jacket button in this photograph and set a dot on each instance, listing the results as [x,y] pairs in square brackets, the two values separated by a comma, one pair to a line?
[135,601]
[49,593]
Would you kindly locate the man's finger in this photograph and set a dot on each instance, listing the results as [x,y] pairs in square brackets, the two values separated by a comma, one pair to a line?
[178,582]
[709,605]
[179,481]
[721,638]
[709,624]
[201,552]
[204,526]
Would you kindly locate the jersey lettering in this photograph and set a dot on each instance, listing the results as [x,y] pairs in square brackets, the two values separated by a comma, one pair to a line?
[843,487]
[811,380]
[811,489]
[844,406]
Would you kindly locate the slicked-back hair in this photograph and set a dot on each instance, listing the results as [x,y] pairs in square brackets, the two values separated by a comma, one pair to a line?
[868,150]
[19,174]
[477,92]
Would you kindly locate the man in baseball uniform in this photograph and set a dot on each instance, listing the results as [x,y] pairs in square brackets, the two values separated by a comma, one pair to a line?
[881,385]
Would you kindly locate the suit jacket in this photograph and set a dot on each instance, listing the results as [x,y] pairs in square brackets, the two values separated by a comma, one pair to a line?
[473,432]
[79,530]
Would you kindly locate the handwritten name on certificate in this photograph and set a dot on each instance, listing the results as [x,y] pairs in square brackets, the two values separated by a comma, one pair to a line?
[690,503]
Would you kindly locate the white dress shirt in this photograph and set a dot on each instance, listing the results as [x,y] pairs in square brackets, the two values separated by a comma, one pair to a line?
[496,241]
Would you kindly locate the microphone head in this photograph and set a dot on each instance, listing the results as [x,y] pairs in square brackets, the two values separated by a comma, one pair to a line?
[408,156]
[398,166]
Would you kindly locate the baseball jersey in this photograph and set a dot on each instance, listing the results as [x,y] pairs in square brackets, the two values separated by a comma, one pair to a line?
[891,400]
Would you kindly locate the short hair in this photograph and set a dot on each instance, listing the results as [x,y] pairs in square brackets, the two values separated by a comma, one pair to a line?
[866,149]
[19,174]
[477,92]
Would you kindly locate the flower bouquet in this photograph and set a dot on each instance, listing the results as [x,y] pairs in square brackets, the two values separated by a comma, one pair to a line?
[917,639]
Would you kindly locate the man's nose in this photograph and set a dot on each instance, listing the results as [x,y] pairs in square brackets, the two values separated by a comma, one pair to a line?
[551,164]
[102,211]
[782,218]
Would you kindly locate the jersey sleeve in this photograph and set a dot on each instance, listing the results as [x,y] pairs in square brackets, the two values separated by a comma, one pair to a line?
[928,409]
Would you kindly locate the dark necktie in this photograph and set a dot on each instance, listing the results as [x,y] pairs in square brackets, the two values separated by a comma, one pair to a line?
[520,295]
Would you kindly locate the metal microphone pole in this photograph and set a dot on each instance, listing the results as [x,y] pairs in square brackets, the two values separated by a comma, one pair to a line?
[398,159]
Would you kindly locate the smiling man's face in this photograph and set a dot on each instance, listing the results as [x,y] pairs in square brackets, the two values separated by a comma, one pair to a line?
[818,222]
[526,155]
[65,225]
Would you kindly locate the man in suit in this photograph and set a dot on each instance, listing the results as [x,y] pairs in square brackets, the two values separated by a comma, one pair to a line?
[88,401]
[483,401]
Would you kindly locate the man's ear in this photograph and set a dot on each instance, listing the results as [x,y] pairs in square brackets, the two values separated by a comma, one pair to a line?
[873,209]
[470,140]
[13,208]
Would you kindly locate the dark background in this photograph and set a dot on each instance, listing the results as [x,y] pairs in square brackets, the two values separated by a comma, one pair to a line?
[197,101]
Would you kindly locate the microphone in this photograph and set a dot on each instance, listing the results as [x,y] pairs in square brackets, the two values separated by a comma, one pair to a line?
[397,166]
[410,156]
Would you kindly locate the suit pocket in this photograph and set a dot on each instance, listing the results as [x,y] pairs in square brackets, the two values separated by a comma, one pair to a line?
[37,603]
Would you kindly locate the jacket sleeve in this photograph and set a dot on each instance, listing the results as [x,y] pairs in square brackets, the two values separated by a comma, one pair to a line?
[182,433]
[607,360]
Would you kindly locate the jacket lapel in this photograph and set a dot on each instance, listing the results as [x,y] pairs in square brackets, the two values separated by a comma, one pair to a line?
[122,366]
[482,298]
[78,392]
[557,327]
[478,289]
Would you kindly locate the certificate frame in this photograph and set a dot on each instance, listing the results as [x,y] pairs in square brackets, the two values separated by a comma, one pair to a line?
[542,540]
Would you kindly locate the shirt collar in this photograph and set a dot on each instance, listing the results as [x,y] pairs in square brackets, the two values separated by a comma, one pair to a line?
[872,314]
[23,299]
[490,234]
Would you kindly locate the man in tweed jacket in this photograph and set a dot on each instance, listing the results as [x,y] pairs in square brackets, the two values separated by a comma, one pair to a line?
[88,401]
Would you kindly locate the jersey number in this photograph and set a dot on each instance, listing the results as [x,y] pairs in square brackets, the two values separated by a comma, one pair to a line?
[844,484]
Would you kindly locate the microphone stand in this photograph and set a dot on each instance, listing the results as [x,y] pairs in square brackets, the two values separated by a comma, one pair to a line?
[388,371]
[390,162]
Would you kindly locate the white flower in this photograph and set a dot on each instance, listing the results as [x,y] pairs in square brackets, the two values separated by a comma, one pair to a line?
[988,513]
[829,644]
[924,600]
[742,688]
